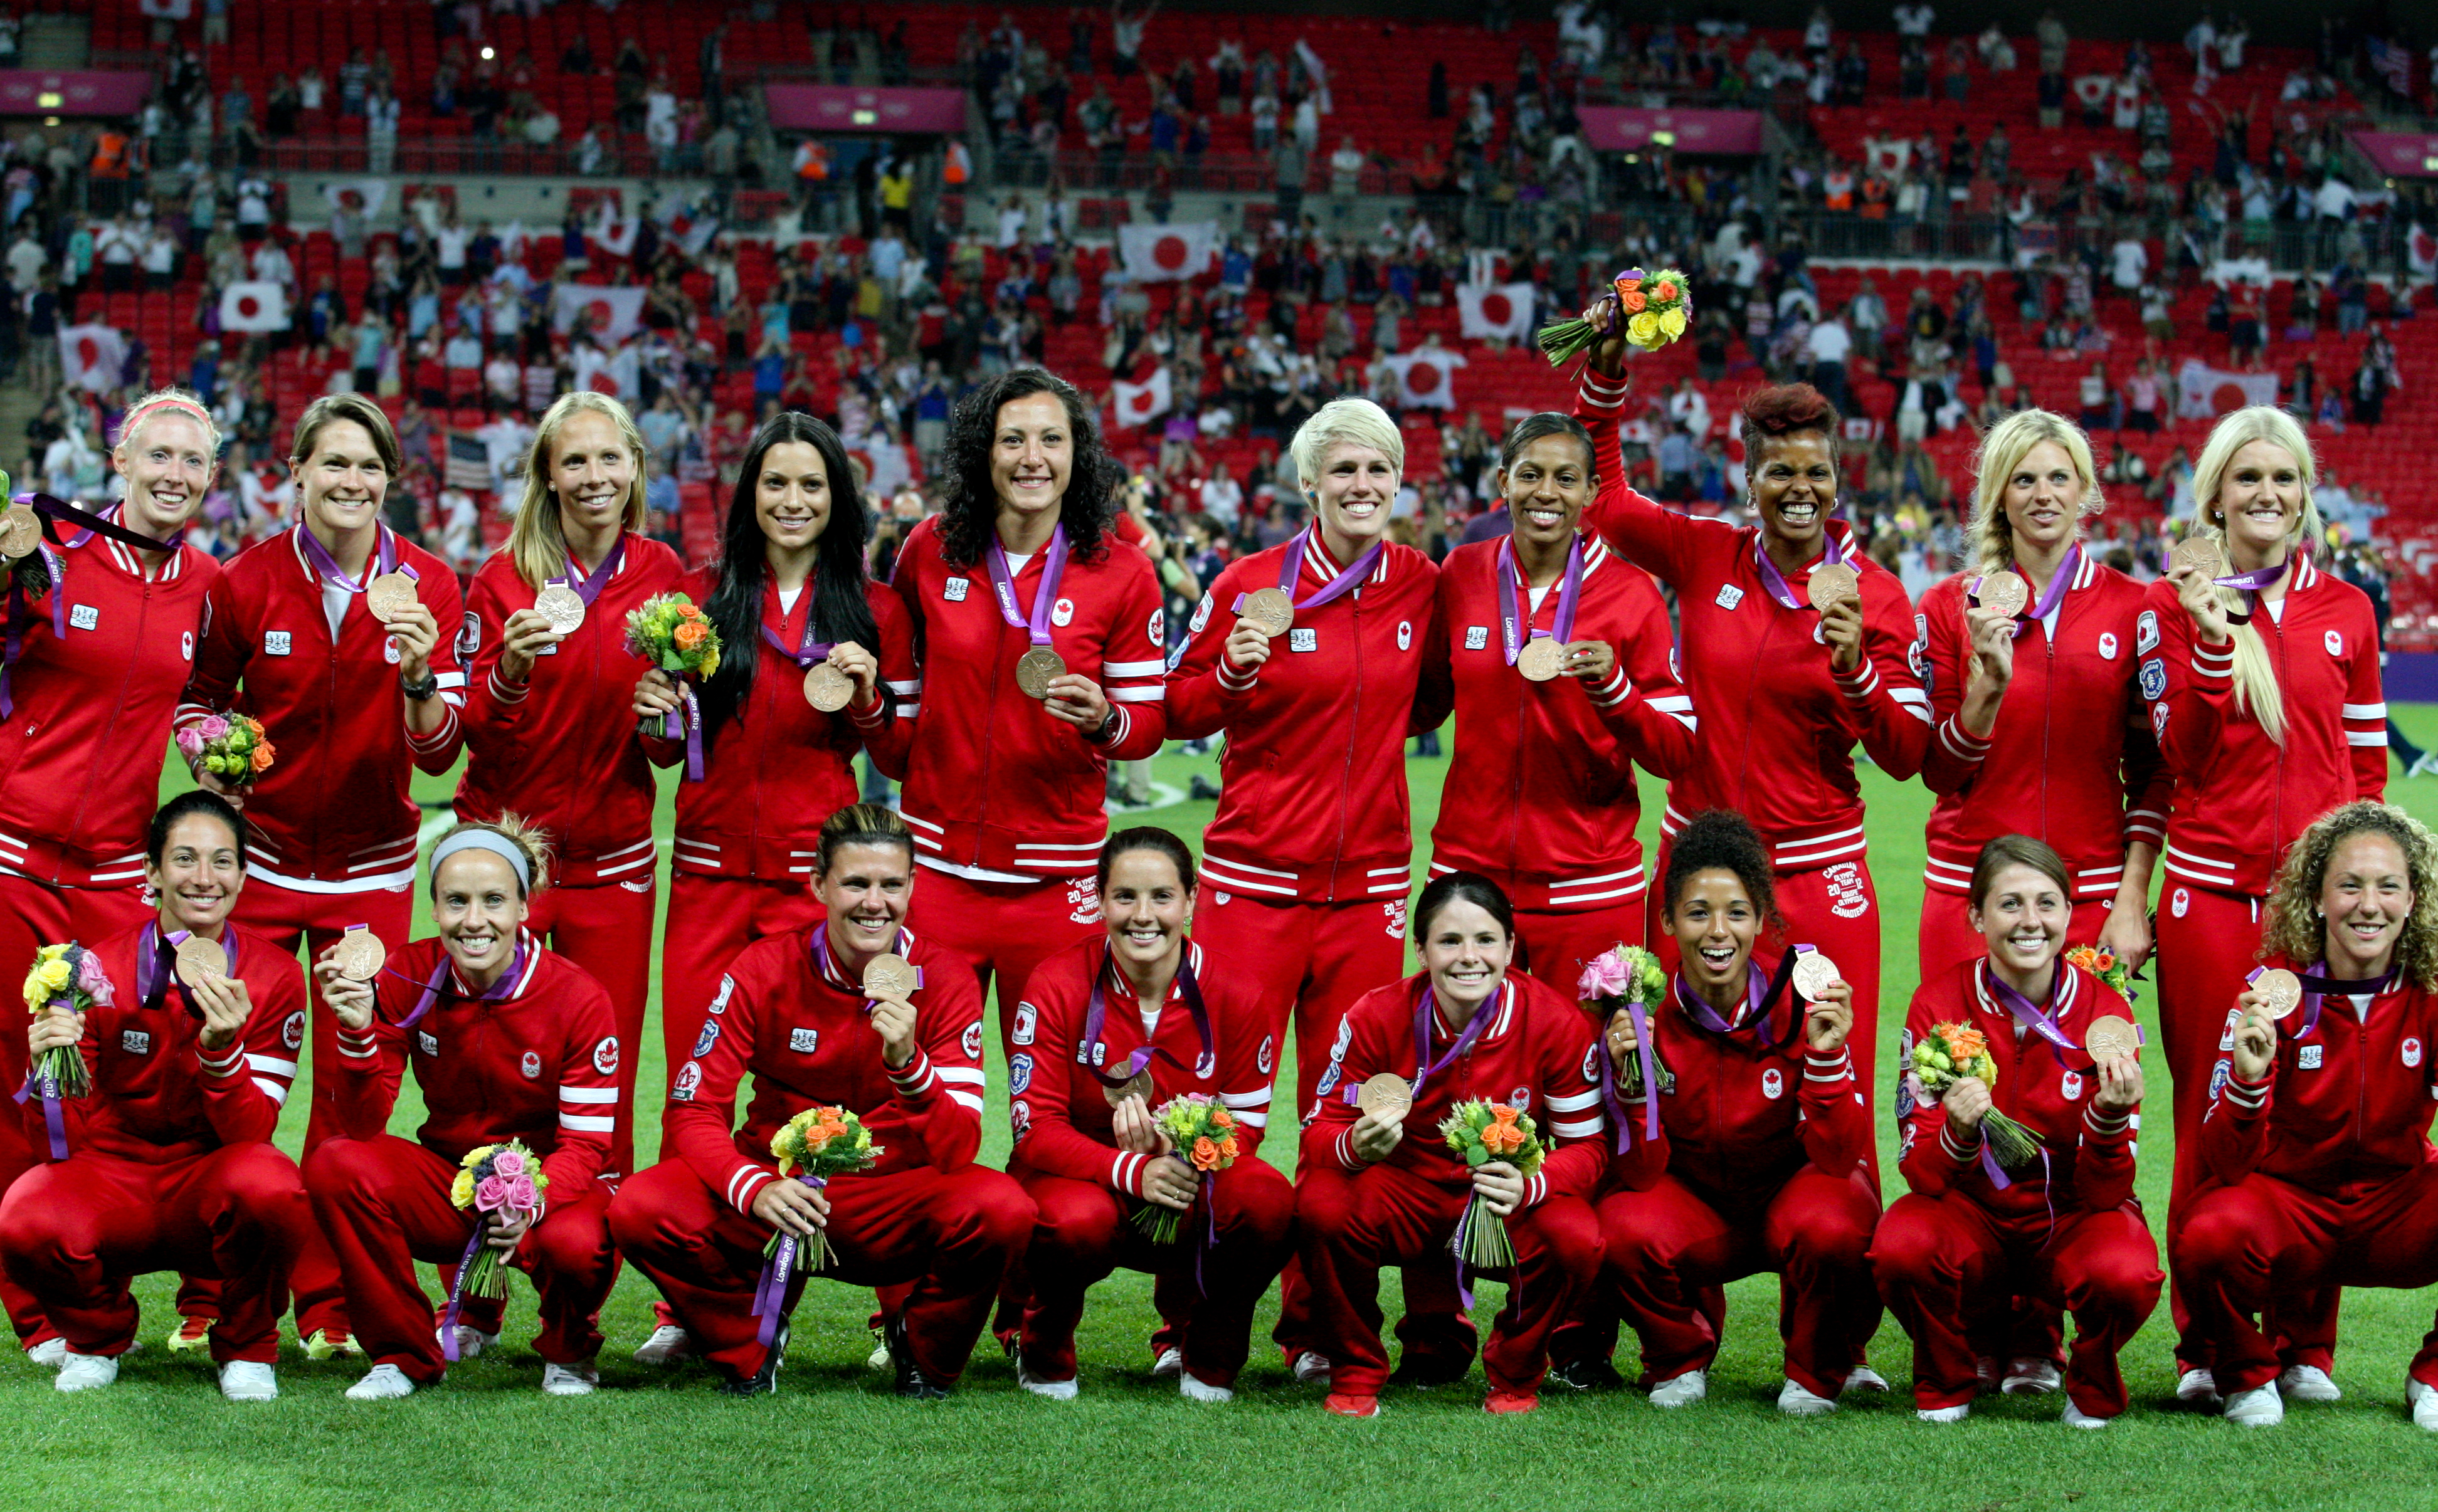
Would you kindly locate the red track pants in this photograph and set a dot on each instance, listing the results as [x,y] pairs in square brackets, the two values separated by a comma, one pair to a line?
[1946,939]
[952,1234]
[384,1204]
[1004,929]
[606,930]
[1942,1262]
[1553,946]
[711,921]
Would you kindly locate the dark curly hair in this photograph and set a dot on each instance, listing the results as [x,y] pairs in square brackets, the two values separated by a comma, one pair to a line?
[1724,840]
[1784,409]
[969,515]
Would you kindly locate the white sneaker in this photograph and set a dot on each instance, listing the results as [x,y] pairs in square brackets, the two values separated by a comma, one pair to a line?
[570,1380]
[2260,1407]
[2424,1402]
[248,1381]
[1171,1361]
[1194,1390]
[382,1384]
[1862,1377]
[1985,1371]
[1312,1368]
[2077,1418]
[1944,1415]
[1681,1391]
[2197,1386]
[1056,1390]
[669,1345]
[2031,1376]
[1794,1402]
[879,1358]
[471,1340]
[87,1372]
[2425,766]
[50,1354]
[2307,1383]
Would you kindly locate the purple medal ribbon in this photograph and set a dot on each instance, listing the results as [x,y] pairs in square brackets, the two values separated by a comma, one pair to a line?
[2316,988]
[1344,583]
[807,650]
[588,586]
[1515,614]
[770,1292]
[1761,1001]
[2251,583]
[2027,1012]
[327,565]
[1053,571]
[434,989]
[821,959]
[12,634]
[1608,1090]
[1097,1013]
[1833,554]
[54,1118]
[155,971]
[457,1291]
[1426,1010]
[2050,596]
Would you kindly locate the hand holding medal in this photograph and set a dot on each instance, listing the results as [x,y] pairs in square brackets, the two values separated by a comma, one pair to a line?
[1829,1015]
[2196,567]
[1836,591]
[1384,1101]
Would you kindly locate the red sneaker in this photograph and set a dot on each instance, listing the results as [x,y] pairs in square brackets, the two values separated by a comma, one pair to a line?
[1510,1401]
[1347,1404]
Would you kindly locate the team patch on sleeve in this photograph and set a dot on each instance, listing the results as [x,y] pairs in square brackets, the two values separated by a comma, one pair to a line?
[973,1041]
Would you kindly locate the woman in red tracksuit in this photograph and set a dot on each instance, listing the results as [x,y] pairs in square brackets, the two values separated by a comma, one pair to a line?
[550,730]
[2266,725]
[507,1041]
[2042,727]
[2316,1145]
[1785,689]
[1540,795]
[1019,580]
[788,594]
[792,1013]
[1760,1158]
[1086,1162]
[2066,1231]
[167,1161]
[1379,1187]
[354,705]
[93,672]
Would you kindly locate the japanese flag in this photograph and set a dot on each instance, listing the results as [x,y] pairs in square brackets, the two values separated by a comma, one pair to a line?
[92,355]
[1141,403]
[1426,380]
[1154,253]
[253,306]
[613,376]
[1496,311]
[615,312]
[2422,247]
[363,197]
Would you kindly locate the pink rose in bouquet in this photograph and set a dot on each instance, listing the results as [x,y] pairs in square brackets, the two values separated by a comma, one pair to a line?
[190,742]
[508,1163]
[213,728]
[492,1193]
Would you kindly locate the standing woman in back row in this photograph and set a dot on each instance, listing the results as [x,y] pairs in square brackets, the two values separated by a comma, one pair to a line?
[550,726]
[1785,689]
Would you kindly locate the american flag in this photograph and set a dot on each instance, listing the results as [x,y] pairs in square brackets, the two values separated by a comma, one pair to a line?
[2393,63]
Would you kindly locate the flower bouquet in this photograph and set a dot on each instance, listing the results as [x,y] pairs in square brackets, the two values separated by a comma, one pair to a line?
[814,1146]
[232,748]
[1951,1052]
[505,1179]
[1484,1132]
[1205,1135]
[1629,977]
[1655,306]
[65,976]
[2105,965]
[669,632]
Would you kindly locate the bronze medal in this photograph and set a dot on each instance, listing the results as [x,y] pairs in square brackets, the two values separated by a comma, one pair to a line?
[1269,610]
[1833,583]
[1034,669]
[2108,1037]
[359,954]
[20,531]
[827,689]
[1136,1085]
[888,976]
[390,595]
[2202,552]
[2280,991]
[1814,974]
[1540,659]
[561,606]
[199,959]
[2004,593]
[1386,1097]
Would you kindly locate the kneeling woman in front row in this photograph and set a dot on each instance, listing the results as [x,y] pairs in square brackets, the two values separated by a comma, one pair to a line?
[2319,1138]
[1383,1187]
[1760,1157]
[2063,1228]
[854,1013]
[508,1041]
[1108,1032]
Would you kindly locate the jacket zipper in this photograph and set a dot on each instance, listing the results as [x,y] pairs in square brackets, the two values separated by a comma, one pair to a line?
[1353,723]
[143,616]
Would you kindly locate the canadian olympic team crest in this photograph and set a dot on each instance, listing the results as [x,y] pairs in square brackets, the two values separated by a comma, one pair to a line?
[291,1033]
[2180,904]
[1084,901]
[972,1043]
[1267,1061]
[1063,613]
[1159,629]
[605,1055]
[1848,896]
[1773,1083]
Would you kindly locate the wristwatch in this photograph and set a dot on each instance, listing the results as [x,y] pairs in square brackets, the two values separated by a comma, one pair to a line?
[422,690]
[1107,729]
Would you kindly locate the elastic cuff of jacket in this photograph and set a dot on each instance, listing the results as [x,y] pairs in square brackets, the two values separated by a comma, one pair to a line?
[1835,1068]
[227,1067]
[1615,691]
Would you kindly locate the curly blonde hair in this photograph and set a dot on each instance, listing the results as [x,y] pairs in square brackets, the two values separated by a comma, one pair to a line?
[2294,927]
[2000,454]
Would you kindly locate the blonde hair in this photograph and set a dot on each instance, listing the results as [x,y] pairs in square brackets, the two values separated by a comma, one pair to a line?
[1346,422]
[533,844]
[536,544]
[2255,681]
[176,401]
[2293,926]
[2002,450]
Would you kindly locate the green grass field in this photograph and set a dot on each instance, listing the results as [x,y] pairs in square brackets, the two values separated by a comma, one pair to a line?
[835,1437]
